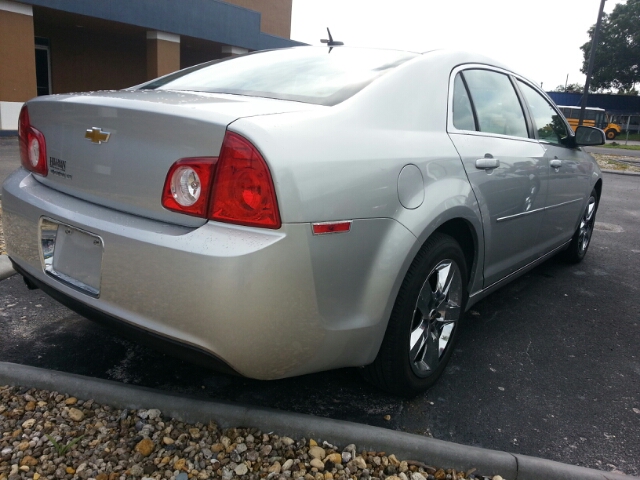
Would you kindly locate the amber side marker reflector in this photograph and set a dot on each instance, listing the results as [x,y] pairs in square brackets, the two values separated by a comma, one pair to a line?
[331,227]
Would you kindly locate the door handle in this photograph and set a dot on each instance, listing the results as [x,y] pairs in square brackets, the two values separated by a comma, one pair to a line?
[555,163]
[487,163]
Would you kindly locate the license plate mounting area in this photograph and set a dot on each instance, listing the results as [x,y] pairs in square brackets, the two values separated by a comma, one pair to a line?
[71,255]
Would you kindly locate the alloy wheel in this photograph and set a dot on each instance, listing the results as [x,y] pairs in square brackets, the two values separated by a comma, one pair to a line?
[435,316]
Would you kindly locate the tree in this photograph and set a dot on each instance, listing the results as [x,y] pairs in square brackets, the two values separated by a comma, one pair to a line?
[570,88]
[617,62]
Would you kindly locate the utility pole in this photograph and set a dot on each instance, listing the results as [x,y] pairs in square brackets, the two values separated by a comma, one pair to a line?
[592,57]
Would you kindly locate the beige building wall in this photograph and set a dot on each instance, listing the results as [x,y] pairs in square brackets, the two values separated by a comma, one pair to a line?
[276,15]
[17,51]
[163,54]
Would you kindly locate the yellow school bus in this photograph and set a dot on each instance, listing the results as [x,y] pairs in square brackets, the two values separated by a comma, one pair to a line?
[593,117]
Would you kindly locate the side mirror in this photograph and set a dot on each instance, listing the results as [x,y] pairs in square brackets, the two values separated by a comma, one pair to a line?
[586,136]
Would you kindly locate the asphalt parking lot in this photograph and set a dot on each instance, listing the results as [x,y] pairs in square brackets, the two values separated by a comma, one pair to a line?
[548,366]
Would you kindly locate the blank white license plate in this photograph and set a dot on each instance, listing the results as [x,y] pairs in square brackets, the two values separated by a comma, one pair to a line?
[71,255]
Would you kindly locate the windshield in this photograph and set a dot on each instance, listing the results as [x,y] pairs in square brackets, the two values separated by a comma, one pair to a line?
[305,74]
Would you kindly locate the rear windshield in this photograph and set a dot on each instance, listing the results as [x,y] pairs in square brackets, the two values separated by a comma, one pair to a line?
[305,74]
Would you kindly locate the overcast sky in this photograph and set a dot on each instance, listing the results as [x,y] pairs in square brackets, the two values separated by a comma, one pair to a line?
[540,39]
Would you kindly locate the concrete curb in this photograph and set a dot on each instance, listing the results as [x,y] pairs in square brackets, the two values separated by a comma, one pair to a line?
[622,172]
[404,445]
[6,269]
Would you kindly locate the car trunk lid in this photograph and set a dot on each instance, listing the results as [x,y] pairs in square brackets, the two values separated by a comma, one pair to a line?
[115,148]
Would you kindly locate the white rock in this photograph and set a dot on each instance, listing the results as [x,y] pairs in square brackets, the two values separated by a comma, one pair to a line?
[241,448]
[241,469]
[361,464]
[76,415]
[136,471]
[417,476]
[29,423]
[227,474]
[287,441]
[287,465]
[317,452]
[153,413]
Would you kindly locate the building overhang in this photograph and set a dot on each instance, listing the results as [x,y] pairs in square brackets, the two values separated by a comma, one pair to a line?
[211,20]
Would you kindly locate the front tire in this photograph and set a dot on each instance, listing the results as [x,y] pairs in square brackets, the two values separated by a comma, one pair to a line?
[581,240]
[611,134]
[424,323]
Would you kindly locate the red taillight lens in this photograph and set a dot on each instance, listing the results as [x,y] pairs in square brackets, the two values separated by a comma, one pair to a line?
[33,148]
[243,192]
[187,186]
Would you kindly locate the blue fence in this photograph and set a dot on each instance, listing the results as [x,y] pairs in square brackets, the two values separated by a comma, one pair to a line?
[614,104]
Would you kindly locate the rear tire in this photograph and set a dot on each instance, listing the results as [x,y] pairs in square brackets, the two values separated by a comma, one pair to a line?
[581,240]
[611,134]
[424,323]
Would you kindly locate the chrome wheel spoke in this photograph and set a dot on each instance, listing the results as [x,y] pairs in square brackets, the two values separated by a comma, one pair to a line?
[418,338]
[445,336]
[445,277]
[418,345]
[591,208]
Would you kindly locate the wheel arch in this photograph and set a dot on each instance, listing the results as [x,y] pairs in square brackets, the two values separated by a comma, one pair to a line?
[466,236]
[598,188]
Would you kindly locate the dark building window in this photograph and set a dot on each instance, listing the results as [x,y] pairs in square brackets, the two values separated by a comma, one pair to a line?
[43,66]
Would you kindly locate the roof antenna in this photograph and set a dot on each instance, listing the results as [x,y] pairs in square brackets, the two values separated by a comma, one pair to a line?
[331,42]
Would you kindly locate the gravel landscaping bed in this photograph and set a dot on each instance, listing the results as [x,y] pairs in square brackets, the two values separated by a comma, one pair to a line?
[617,162]
[48,435]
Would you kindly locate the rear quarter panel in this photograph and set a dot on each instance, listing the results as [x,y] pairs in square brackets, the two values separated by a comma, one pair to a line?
[343,163]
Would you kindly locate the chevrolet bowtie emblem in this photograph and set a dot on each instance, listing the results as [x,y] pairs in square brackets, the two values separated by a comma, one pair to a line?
[96,135]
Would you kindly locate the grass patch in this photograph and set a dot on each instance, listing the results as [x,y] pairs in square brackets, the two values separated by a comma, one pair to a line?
[621,147]
[62,449]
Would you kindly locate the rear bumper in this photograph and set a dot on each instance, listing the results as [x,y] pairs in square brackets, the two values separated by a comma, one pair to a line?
[188,352]
[267,304]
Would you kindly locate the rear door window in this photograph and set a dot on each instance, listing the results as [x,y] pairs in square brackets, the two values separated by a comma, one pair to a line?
[498,109]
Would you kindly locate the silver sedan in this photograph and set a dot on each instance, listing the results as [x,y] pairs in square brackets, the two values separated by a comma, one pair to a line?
[299,210]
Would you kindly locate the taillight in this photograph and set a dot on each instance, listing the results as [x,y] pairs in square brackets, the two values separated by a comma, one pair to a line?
[33,148]
[234,188]
[243,191]
[187,186]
